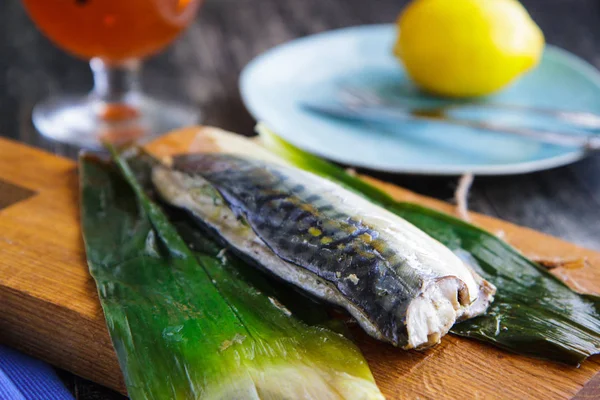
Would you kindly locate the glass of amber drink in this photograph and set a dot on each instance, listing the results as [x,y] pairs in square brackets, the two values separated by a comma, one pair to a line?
[115,35]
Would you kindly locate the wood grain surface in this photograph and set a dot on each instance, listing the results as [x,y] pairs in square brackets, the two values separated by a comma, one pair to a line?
[48,302]
[49,307]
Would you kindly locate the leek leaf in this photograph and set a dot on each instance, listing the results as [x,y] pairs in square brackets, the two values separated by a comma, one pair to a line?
[191,324]
[534,313]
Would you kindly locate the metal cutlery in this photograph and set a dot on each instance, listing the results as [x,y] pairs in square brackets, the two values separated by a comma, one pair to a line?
[367,108]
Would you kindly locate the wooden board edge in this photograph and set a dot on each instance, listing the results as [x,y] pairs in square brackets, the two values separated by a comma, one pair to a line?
[71,351]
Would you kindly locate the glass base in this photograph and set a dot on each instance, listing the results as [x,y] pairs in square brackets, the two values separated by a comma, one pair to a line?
[83,122]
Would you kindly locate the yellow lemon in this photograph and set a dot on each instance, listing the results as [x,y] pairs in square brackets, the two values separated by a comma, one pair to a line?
[464,48]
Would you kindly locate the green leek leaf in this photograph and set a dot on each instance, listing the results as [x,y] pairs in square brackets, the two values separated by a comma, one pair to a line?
[194,324]
[534,313]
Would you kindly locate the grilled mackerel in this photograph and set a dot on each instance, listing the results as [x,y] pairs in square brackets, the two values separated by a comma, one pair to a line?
[401,285]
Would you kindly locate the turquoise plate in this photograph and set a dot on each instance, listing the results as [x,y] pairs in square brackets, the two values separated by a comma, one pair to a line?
[315,68]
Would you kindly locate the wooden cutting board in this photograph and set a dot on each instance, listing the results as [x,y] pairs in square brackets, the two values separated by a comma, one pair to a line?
[49,307]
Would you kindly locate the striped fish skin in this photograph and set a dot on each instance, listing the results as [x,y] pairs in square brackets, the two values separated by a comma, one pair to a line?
[401,285]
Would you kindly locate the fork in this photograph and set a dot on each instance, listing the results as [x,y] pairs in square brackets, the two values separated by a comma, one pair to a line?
[583,119]
[370,107]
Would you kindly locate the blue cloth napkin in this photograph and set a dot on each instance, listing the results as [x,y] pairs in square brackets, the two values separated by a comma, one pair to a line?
[25,378]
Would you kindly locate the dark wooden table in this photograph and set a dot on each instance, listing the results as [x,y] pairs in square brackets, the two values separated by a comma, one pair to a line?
[203,67]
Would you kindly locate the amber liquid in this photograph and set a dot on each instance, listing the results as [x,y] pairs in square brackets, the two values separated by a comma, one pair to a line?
[114,30]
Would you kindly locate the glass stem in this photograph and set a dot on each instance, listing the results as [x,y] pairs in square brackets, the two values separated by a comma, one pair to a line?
[116,83]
